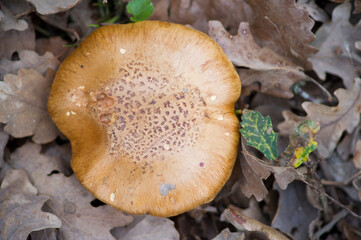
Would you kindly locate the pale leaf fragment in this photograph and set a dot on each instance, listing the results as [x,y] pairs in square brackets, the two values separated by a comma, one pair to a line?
[70,201]
[23,105]
[20,208]
[228,235]
[9,10]
[333,120]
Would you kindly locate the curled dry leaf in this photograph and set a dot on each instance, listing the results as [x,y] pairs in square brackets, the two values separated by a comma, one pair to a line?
[20,208]
[317,13]
[69,200]
[46,7]
[29,59]
[23,105]
[14,41]
[294,212]
[289,39]
[333,120]
[336,43]
[244,223]
[153,228]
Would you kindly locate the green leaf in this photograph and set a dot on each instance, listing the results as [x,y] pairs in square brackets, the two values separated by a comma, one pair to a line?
[140,9]
[301,144]
[258,132]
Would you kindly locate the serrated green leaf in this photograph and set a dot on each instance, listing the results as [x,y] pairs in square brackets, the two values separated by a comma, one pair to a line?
[258,132]
[140,9]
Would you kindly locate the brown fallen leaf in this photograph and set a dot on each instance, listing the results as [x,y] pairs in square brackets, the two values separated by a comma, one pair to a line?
[70,201]
[254,170]
[243,51]
[252,175]
[29,59]
[333,120]
[12,41]
[153,228]
[294,212]
[277,82]
[20,208]
[336,43]
[83,14]
[275,74]
[244,223]
[23,105]
[289,39]
[228,235]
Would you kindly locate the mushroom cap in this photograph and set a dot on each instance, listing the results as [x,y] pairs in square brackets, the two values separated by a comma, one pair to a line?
[149,110]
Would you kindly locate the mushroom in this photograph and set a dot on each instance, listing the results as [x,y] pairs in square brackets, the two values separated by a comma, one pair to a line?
[149,110]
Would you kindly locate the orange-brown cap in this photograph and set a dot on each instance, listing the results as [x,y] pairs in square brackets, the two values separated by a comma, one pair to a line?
[149,110]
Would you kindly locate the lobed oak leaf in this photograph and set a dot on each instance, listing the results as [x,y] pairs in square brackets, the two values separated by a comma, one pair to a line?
[282,26]
[14,41]
[20,208]
[29,59]
[333,120]
[336,43]
[276,74]
[70,201]
[23,105]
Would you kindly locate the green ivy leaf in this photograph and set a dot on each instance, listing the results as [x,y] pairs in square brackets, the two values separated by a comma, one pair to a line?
[258,132]
[140,9]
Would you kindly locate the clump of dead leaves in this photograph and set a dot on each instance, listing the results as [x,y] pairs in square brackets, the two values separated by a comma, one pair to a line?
[286,71]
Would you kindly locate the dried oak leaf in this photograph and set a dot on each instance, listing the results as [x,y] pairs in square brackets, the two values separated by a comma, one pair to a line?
[20,208]
[70,201]
[336,43]
[333,120]
[294,213]
[153,228]
[276,74]
[10,9]
[254,170]
[13,41]
[283,26]
[244,223]
[29,59]
[46,7]
[23,105]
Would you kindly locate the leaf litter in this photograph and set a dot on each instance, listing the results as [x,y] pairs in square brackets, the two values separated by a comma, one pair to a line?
[272,47]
